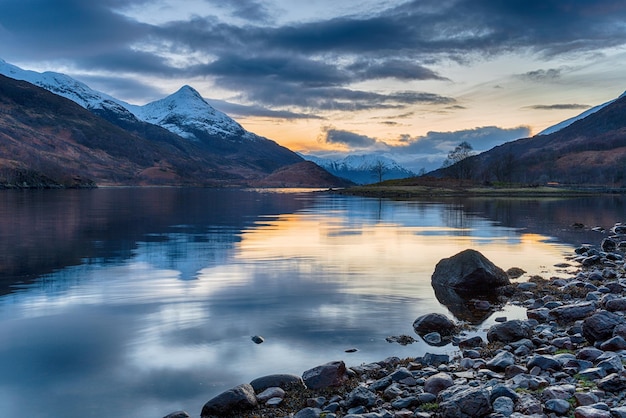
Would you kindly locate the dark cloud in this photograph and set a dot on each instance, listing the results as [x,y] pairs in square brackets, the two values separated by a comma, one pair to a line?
[542,75]
[331,135]
[309,64]
[234,110]
[566,106]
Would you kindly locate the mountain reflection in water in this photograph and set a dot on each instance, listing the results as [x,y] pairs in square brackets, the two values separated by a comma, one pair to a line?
[139,302]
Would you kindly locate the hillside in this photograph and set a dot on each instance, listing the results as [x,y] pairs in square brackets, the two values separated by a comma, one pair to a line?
[50,141]
[590,151]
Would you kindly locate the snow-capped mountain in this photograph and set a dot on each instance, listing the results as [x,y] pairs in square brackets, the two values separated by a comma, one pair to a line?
[362,169]
[187,114]
[184,113]
[568,122]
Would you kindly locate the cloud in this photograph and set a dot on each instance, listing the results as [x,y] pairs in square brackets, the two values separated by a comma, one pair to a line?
[234,110]
[542,75]
[565,106]
[426,151]
[331,135]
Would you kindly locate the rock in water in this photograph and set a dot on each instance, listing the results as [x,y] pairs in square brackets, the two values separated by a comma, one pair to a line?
[469,270]
[434,322]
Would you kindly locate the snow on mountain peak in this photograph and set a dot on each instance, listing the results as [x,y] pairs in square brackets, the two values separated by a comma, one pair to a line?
[184,112]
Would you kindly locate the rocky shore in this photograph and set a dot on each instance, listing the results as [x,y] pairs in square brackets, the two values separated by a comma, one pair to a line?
[565,360]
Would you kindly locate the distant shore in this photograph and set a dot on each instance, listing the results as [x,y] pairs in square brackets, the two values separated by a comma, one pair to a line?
[420,187]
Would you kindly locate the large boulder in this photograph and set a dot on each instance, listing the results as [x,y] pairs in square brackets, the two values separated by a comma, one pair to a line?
[329,374]
[232,402]
[469,270]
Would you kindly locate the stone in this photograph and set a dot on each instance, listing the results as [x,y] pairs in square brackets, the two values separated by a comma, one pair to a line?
[590,412]
[308,413]
[619,412]
[509,331]
[432,338]
[257,339]
[465,402]
[283,381]
[438,382]
[543,362]
[435,360]
[608,245]
[613,344]
[434,322]
[528,405]
[504,406]
[360,396]
[589,353]
[178,414]
[612,383]
[469,270]
[599,326]
[326,375]
[572,312]
[238,399]
[616,305]
[501,361]
[269,393]
[558,406]
[471,342]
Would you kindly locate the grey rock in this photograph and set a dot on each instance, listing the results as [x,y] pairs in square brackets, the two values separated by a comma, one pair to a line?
[308,413]
[590,412]
[274,401]
[360,396]
[612,364]
[326,375]
[434,322]
[269,393]
[558,406]
[544,363]
[283,381]
[504,406]
[435,360]
[438,382]
[593,373]
[509,331]
[589,353]
[469,270]
[501,361]
[616,343]
[619,412]
[257,339]
[400,374]
[599,326]
[615,305]
[572,312]
[466,403]
[529,405]
[238,399]
[433,338]
[471,342]
[612,383]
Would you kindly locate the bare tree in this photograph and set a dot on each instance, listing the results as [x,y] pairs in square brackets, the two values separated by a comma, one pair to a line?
[458,160]
[379,169]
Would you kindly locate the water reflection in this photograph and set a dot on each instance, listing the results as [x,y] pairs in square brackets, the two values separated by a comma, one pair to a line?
[134,303]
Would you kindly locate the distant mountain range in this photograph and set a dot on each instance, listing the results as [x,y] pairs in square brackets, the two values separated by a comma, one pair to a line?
[93,138]
[362,169]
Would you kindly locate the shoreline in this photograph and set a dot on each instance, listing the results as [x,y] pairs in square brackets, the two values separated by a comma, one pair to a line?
[567,359]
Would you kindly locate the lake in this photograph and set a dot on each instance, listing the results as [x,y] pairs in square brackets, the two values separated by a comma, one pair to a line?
[136,302]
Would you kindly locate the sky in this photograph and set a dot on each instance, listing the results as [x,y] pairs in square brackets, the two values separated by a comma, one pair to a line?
[408,79]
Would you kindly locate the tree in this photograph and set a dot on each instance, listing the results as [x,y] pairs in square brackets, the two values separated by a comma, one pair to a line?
[379,169]
[458,161]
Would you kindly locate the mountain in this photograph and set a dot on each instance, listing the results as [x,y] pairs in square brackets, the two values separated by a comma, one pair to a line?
[184,113]
[299,175]
[362,169]
[50,141]
[568,122]
[589,151]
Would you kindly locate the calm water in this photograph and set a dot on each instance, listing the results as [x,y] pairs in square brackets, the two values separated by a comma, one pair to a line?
[140,302]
